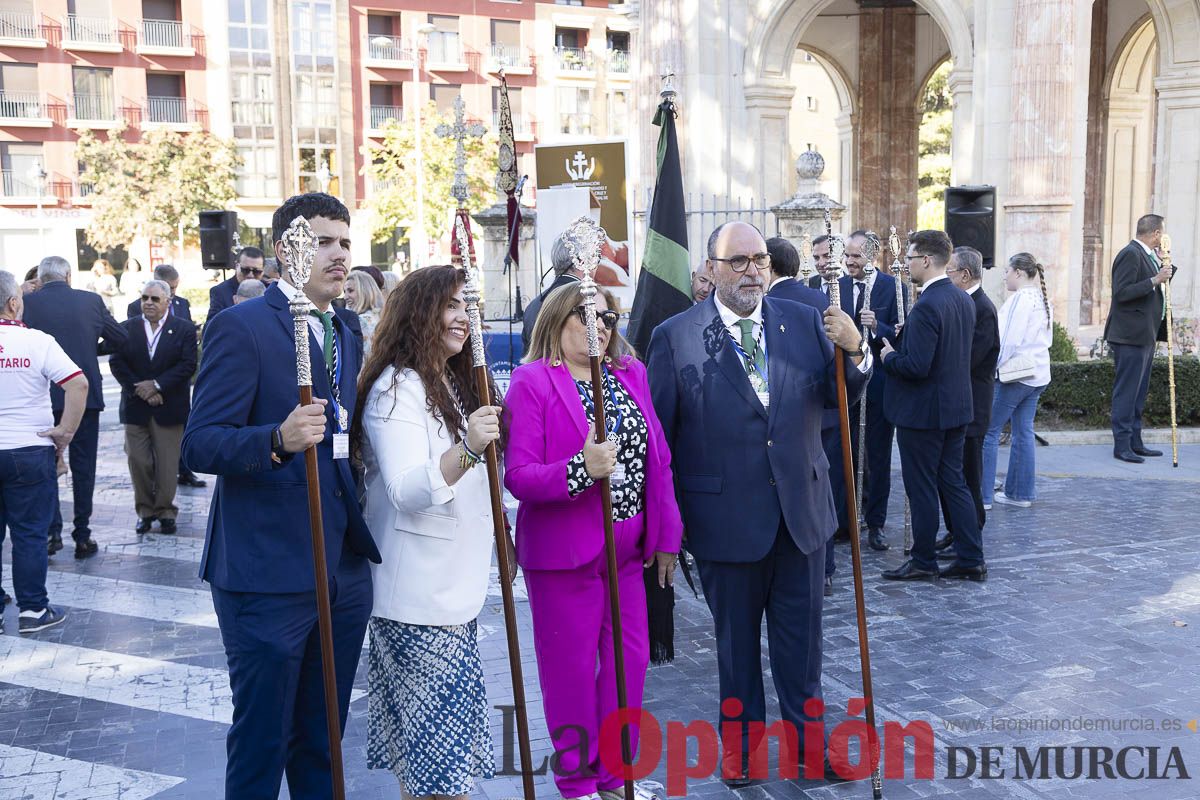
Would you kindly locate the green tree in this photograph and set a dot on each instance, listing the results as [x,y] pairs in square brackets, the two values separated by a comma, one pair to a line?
[144,189]
[933,160]
[391,165]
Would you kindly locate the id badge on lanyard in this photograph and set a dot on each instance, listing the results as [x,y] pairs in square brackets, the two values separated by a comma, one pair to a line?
[341,418]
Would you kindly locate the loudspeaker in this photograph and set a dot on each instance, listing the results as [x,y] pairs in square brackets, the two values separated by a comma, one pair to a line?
[971,219]
[216,238]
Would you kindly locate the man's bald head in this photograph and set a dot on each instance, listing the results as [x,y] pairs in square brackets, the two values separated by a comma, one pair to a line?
[730,246]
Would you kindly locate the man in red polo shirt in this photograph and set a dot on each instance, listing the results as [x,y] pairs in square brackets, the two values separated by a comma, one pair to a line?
[29,443]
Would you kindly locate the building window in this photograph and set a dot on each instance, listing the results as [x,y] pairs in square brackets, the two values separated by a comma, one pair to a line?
[19,161]
[386,104]
[252,98]
[314,91]
[520,123]
[809,57]
[93,93]
[443,95]
[811,103]
[569,37]
[19,95]
[444,45]
[618,113]
[506,43]
[574,111]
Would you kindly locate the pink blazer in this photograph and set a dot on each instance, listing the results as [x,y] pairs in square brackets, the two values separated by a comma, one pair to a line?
[547,426]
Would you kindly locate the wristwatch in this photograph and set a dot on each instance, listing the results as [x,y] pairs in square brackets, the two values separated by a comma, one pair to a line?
[861,351]
[277,451]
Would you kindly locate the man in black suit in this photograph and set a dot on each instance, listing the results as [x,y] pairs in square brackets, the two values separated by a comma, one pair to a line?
[154,369]
[77,320]
[966,272]
[564,269]
[876,316]
[823,261]
[249,265]
[929,402]
[1136,321]
[783,283]
[180,307]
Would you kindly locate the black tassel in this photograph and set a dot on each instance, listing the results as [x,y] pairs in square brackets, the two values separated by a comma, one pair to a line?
[660,608]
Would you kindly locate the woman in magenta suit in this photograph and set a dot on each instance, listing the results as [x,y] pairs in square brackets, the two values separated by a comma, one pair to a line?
[552,466]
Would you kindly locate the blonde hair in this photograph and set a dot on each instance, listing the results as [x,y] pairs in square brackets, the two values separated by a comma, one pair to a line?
[545,343]
[390,281]
[1031,266]
[367,296]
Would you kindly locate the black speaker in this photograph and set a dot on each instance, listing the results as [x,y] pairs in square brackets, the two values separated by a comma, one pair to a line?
[216,238]
[971,219]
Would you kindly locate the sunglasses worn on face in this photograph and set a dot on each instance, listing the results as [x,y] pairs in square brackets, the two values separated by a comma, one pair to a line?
[151,299]
[608,319]
[251,271]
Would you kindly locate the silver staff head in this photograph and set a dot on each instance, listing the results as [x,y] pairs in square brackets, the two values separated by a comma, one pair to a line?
[471,293]
[584,238]
[299,245]
[871,248]
[806,255]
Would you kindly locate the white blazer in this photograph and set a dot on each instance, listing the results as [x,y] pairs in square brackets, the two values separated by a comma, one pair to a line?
[436,540]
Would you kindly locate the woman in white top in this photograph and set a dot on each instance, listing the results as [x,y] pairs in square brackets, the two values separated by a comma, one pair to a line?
[364,298]
[1026,329]
[420,435]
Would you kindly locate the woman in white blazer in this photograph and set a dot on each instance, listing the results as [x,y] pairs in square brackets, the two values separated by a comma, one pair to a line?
[420,435]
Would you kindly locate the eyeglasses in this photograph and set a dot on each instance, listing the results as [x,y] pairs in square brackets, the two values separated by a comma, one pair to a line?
[251,271]
[742,263]
[608,319]
[914,257]
[149,298]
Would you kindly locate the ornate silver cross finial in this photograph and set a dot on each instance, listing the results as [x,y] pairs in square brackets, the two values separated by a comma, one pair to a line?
[459,132]
[584,237]
[299,245]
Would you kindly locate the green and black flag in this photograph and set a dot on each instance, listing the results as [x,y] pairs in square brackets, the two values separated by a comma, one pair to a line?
[664,286]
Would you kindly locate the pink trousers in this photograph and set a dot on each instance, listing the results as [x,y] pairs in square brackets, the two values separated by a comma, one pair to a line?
[573,639]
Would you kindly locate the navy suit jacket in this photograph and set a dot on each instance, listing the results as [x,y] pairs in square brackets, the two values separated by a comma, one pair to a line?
[77,320]
[882,301]
[929,375]
[1136,314]
[258,537]
[220,296]
[173,365]
[739,468]
[985,351]
[180,307]
[795,290]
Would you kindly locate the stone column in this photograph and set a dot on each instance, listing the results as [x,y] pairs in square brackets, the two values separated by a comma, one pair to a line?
[961,84]
[1177,155]
[769,106]
[494,221]
[1048,126]
[887,143]
[1092,279]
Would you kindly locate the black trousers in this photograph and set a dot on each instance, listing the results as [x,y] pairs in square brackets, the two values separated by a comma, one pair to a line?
[81,455]
[1133,363]
[932,464]
[973,474]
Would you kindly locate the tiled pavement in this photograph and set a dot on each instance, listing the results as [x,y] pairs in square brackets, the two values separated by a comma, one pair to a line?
[1089,616]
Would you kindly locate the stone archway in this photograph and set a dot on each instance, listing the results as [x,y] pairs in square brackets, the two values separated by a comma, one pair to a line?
[883,189]
[843,120]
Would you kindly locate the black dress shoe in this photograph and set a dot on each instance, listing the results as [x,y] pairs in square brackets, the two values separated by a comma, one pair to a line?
[191,480]
[86,548]
[832,776]
[829,586]
[908,571]
[144,525]
[976,573]
[736,780]
[944,543]
[841,535]
[876,540]
[947,555]
[1128,456]
[55,544]
[166,526]
[1145,451]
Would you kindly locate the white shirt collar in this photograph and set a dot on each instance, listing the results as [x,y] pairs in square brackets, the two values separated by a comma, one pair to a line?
[975,288]
[290,292]
[1146,247]
[778,281]
[932,281]
[730,319]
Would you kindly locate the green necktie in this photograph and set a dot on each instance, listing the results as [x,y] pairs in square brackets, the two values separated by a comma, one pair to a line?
[751,347]
[327,345]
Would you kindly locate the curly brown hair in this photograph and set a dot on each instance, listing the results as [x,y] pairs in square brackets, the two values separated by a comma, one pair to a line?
[409,336]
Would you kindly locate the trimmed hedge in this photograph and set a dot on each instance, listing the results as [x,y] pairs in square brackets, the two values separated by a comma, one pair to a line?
[1079,396]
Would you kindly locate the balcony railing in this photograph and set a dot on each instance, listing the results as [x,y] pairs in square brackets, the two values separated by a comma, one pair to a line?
[162,33]
[82,189]
[91,30]
[576,124]
[444,49]
[381,115]
[170,110]
[17,184]
[19,25]
[618,60]
[574,59]
[21,105]
[510,56]
[388,48]
[94,107]
[521,125]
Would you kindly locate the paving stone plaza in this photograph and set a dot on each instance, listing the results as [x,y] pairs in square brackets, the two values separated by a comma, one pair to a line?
[1084,635]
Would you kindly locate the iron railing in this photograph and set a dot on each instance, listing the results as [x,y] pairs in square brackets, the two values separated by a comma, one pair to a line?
[388,48]
[19,25]
[171,110]
[98,107]
[162,33]
[17,184]
[509,56]
[574,59]
[381,115]
[618,61]
[91,30]
[21,105]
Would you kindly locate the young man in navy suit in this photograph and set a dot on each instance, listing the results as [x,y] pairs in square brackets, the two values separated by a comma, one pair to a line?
[876,316]
[740,383]
[247,429]
[929,388]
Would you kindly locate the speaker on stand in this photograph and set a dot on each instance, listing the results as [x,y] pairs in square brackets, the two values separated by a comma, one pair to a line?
[218,235]
[971,219]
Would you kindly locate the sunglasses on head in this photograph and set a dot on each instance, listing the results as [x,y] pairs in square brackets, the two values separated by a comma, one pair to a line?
[608,318]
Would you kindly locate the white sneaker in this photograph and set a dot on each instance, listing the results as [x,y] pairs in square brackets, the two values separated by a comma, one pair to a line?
[1005,500]
[987,506]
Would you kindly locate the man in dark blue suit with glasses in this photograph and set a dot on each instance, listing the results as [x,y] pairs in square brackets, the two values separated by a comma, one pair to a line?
[247,429]
[740,383]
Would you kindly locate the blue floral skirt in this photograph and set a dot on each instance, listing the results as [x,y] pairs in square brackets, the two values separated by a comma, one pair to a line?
[427,707]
